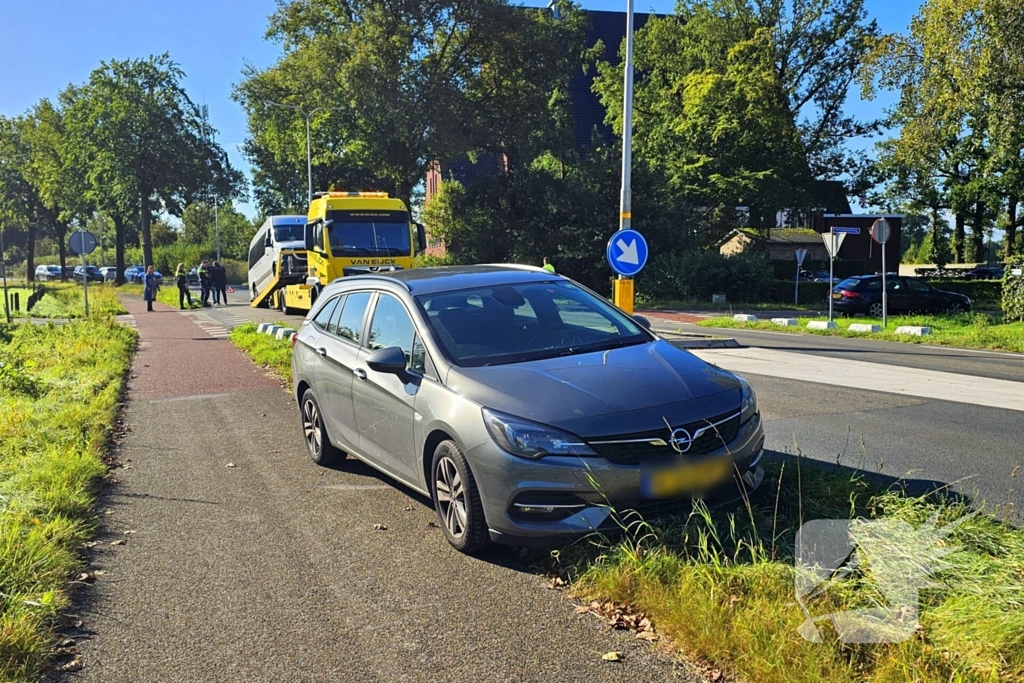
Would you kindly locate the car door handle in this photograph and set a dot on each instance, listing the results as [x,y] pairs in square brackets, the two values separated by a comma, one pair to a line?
[360,374]
[322,351]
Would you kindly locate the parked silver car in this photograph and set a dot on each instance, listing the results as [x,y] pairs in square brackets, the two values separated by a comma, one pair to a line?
[522,403]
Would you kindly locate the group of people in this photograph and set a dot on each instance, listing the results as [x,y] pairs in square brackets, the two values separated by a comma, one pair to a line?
[213,279]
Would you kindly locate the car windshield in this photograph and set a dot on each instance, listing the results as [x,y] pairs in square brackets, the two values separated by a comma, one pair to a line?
[515,323]
[369,233]
[289,233]
[852,283]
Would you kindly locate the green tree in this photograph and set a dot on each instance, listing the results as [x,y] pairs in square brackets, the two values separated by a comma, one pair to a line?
[145,142]
[20,204]
[402,85]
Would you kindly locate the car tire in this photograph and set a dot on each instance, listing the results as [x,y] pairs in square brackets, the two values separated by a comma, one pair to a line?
[282,303]
[875,310]
[955,308]
[318,444]
[456,499]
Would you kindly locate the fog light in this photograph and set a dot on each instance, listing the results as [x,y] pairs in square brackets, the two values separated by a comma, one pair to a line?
[535,509]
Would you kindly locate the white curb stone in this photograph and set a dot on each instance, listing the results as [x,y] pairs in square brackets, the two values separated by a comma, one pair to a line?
[263,327]
[741,318]
[913,330]
[284,333]
[865,327]
[272,330]
[821,325]
[786,322]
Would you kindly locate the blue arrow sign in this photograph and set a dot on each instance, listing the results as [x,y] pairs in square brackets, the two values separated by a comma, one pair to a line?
[627,252]
[849,231]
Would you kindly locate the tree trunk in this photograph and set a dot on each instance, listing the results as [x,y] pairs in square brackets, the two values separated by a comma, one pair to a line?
[958,239]
[1011,226]
[31,264]
[119,225]
[147,239]
[978,232]
[62,232]
[403,191]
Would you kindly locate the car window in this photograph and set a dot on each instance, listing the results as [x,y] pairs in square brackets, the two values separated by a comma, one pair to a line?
[850,284]
[526,321]
[323,316]
[391,327]
[332,327]
[870,285]
[418,361]
[350,324]
[917,286]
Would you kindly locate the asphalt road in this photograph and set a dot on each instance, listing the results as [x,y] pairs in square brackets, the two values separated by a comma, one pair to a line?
[245,561]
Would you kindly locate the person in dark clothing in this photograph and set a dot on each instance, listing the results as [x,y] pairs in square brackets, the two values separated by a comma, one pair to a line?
[149,293]
[205,282]
[181,279]
[219,275]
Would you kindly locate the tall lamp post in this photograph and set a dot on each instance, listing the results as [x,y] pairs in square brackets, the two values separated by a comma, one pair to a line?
[306,115]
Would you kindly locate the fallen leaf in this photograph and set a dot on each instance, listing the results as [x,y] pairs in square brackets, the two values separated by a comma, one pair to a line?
[433,525]
[65,642]
[714,675]
[582,609]
[119,541]
[408,508]
[231,464]
[86,577]
[90,544]
[74,665]
[108,512]
[612,656]
[379,527]
[647,635]
[129,532]
[557,582]
[65,651]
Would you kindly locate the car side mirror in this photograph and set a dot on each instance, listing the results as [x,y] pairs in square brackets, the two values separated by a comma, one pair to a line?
[643,321]
[391,359]
[307,235]
[421,238]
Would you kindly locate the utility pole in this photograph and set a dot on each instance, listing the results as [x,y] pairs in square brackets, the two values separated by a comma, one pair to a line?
[306,115]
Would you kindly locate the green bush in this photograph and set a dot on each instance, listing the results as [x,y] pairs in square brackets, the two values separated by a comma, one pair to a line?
[983,293]
[697,275]
[1013,291]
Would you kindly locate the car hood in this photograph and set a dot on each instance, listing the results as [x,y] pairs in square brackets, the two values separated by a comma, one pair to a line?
[567,392]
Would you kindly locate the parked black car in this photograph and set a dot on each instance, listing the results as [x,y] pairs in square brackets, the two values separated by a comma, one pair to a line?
[91,272]
[863,294]
[994,272]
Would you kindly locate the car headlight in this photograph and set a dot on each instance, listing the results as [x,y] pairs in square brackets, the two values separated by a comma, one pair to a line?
[531,439]
[748,401]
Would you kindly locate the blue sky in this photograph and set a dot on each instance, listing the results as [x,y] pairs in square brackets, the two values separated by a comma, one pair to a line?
[45,45]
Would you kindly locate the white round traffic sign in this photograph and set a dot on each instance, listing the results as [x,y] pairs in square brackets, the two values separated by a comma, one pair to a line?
[82,242]
[881,231]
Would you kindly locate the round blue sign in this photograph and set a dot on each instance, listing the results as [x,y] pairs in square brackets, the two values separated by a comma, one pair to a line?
[627,252]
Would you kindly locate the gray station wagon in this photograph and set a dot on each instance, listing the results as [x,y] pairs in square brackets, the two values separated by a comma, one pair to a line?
[527,407]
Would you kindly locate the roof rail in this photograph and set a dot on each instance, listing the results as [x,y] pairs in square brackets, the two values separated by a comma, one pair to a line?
[372,276]
[338,193]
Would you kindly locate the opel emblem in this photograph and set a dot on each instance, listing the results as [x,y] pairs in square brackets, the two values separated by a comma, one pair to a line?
[680,440]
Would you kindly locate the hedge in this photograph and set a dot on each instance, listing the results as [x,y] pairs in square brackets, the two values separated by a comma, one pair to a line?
[1013,291]
[983,293]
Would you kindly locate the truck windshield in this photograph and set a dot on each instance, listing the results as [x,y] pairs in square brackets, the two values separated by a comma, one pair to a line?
[289,233]
[367,233]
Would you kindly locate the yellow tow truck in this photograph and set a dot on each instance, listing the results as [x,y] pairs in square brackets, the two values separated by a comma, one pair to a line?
[349,233]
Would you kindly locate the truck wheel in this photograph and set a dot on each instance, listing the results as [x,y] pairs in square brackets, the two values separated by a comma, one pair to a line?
[282,304]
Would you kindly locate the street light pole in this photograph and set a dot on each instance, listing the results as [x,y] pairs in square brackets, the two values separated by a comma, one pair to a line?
[625,202]
[309,145]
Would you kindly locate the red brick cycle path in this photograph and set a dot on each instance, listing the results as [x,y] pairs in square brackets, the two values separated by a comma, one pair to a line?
[176,357]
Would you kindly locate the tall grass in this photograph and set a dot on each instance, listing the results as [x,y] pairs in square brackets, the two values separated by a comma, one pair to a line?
[59,391]
[720,582]
[69,302]
[271,353]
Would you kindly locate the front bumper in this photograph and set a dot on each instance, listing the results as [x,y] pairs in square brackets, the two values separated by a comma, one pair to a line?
[556,499]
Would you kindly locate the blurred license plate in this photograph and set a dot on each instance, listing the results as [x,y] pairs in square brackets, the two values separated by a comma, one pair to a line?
[691,477]
[837,295]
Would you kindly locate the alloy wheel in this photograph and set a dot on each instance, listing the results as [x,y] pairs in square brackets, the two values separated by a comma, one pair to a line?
[311,427]
[451,497]
[875,311]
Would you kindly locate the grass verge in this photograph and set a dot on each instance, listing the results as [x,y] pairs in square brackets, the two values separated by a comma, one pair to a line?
[967,330]
[59,391]
[266,351]
[69,302]
[673,305]
[720,583]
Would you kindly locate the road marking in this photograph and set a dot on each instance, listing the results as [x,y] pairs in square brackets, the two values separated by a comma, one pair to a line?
[890,379]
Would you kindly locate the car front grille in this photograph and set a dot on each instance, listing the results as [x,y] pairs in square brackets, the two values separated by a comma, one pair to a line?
[653,448]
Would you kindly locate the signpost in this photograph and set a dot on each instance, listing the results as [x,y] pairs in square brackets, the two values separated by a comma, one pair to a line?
[3,273]
[800,255]
[833,243]
[880,232]
[83,242]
